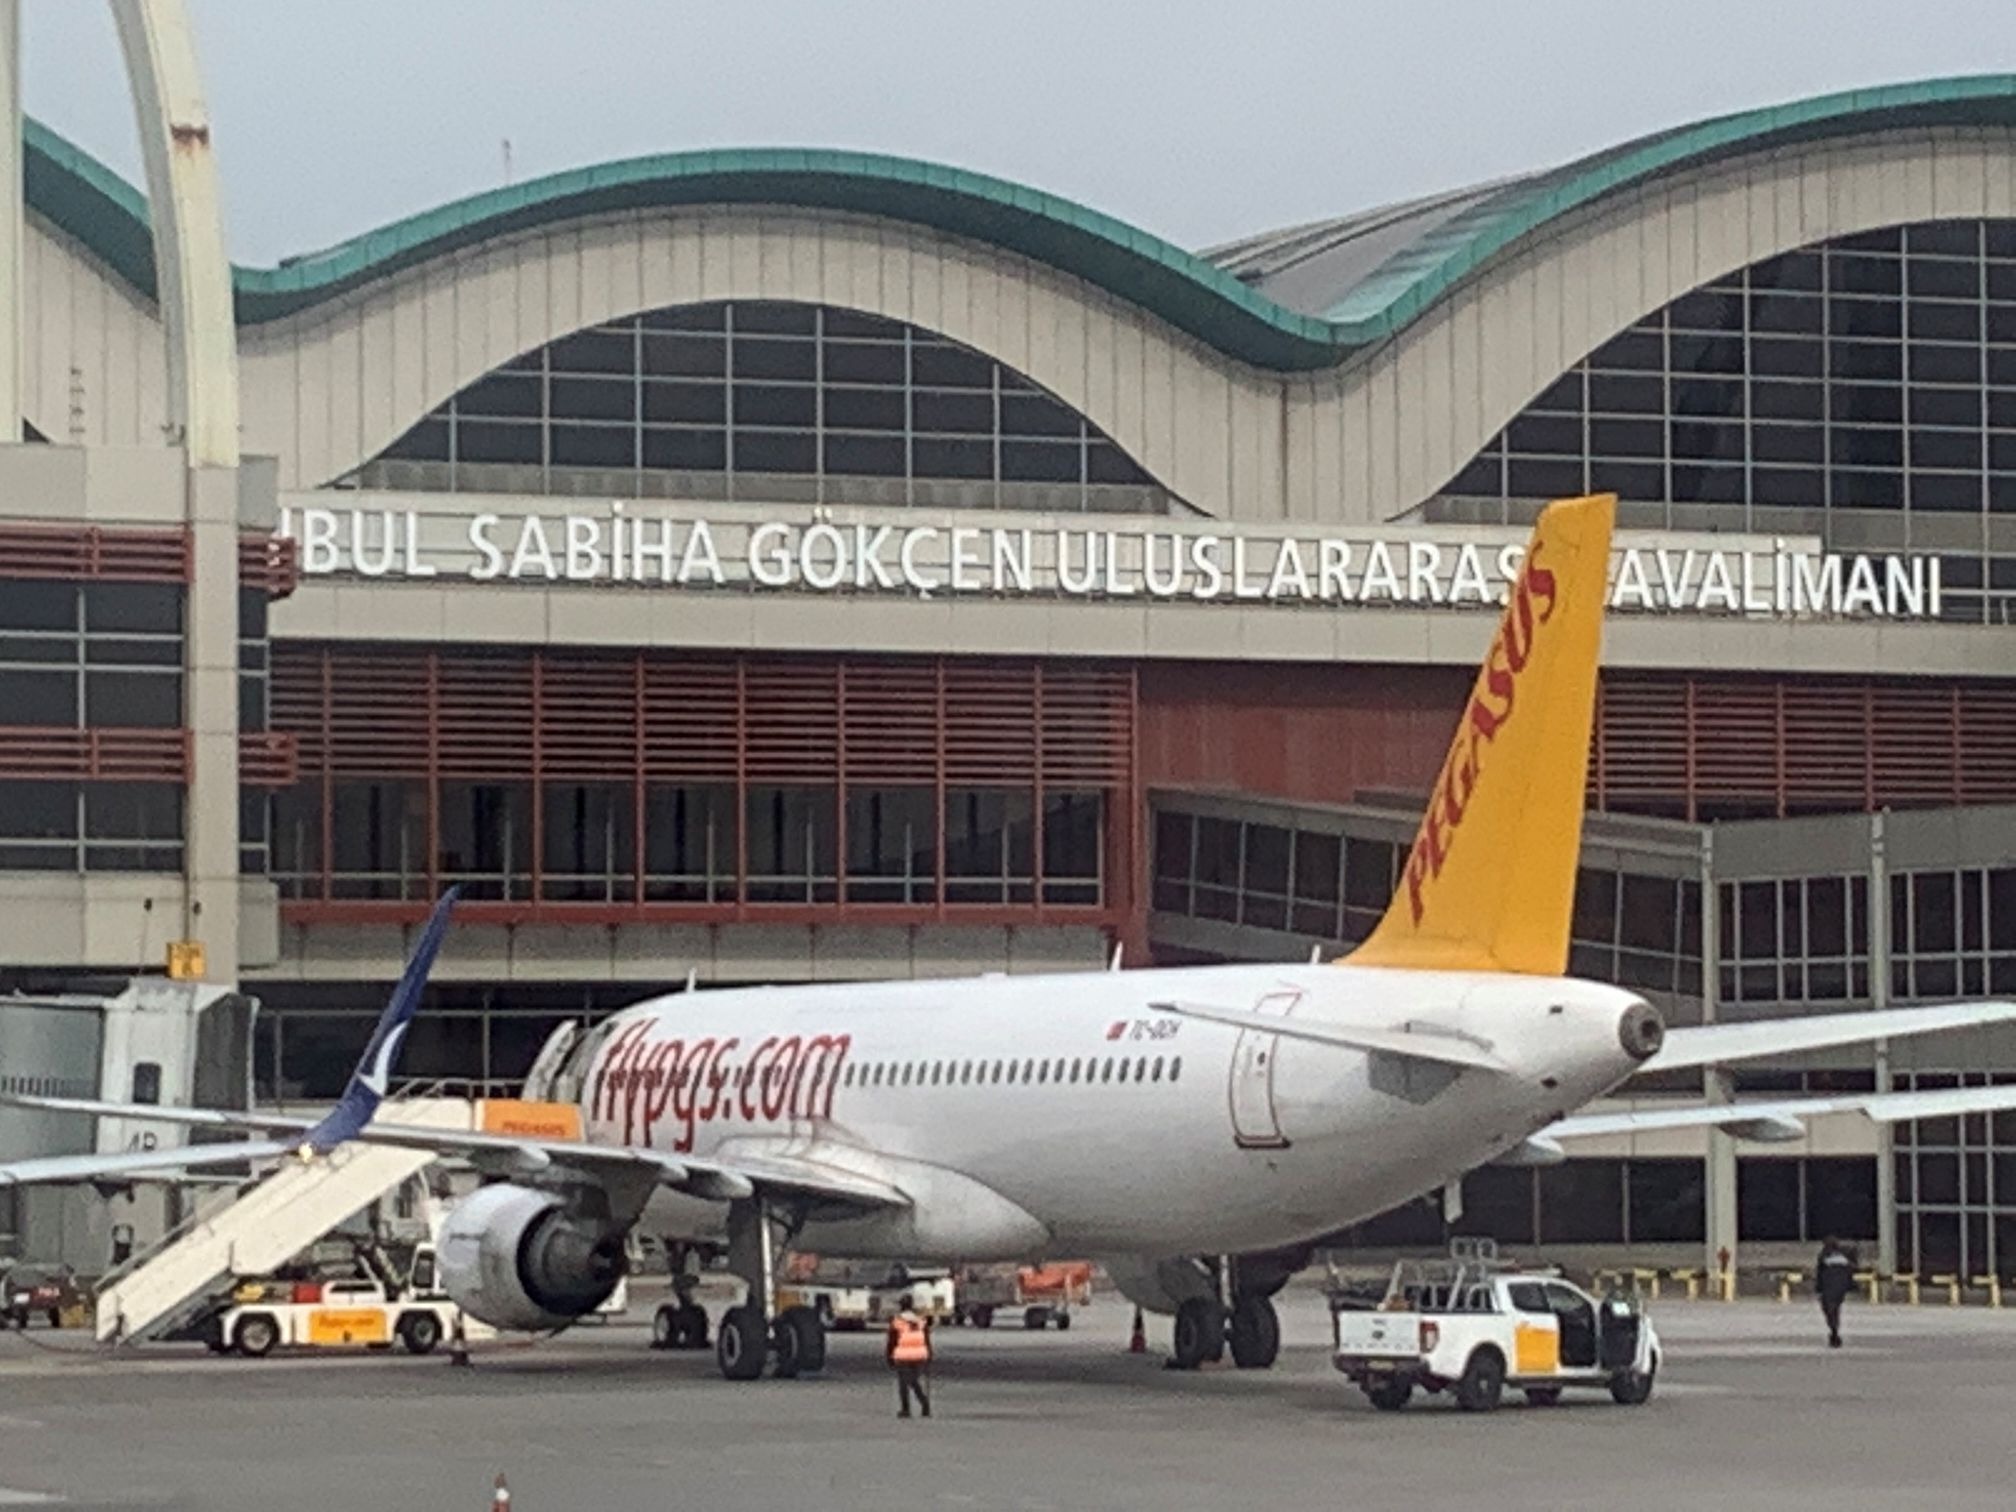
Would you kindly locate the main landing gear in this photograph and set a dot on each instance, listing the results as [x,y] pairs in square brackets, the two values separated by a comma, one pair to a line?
[792,1342]
[1207,1325]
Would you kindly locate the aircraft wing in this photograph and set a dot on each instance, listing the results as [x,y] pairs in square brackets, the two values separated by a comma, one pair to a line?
[793,1172]
[1714,1044]
[1773,1120]
[125,1164]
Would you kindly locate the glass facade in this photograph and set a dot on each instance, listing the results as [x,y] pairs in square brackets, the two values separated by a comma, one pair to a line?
[766,401]
[1643,931]
[85,665]
[1863,388]
[781,845]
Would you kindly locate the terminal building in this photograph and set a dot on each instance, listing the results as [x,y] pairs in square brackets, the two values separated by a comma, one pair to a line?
[781,566]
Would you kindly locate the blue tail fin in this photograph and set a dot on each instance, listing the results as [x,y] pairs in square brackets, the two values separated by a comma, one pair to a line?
[367,1083]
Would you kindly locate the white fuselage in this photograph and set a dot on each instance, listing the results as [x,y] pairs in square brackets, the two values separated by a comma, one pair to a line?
[1069,1115]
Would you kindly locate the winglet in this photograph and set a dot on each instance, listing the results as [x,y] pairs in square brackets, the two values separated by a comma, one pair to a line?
[368,1082]
[1490,882]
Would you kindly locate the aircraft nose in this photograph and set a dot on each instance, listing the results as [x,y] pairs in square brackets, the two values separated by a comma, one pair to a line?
[1641,1031]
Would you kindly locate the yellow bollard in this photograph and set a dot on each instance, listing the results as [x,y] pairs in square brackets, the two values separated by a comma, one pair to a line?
[1728,1286]
[1909,1281]
[1691,1279]
[1648,1280]
[1993,1286]
[1952,1285]
[1786,1281]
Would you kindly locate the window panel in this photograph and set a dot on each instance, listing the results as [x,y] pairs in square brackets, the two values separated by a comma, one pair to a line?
[38,810]
[1614,394]
[771,451]
[684,356]
[511,395]
[1865,317]
[864,409]
[1787,401]
[38,698]
[593,351]
[151,700]
[764,358]
[141,608]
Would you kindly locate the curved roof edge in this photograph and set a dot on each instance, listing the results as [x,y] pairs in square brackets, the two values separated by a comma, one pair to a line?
[1411,280]
[87,200]
[90,202]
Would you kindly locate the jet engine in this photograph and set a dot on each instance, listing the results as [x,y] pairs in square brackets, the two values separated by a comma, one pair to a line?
[524,1260]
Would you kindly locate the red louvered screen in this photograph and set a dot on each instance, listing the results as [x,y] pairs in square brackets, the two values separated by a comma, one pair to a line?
[269,760]
[269,562]
[1708,746]
[62,753]
[94,551]
[643,719]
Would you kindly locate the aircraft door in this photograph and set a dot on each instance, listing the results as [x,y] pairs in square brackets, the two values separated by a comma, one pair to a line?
[1255,1124]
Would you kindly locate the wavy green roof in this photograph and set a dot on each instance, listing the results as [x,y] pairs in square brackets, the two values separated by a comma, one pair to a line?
[80,195]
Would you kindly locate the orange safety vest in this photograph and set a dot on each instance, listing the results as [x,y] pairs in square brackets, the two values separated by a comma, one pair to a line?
[910,1346]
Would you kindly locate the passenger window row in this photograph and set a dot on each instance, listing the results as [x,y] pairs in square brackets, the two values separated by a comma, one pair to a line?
[1027,1073]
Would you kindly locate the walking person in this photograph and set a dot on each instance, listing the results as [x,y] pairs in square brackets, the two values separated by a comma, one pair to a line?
[1833,1276]
[909,1352]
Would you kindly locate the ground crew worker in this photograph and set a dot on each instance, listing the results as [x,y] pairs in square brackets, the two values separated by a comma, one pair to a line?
[909,1352]
[1833,1275]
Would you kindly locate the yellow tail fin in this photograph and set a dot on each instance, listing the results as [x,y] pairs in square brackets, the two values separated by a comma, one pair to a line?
[1490,882]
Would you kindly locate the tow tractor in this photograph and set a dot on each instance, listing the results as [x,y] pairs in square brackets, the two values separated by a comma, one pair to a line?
[373,1311]
[1473,1325]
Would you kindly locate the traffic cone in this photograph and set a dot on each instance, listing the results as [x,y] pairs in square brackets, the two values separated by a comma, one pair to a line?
[1138,1344]
[501,1497]
[458,1354]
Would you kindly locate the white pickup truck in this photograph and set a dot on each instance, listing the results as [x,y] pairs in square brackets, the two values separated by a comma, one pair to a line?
[1469,1325]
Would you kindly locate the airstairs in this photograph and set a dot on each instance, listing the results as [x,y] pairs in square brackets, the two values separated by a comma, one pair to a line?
[271,1221]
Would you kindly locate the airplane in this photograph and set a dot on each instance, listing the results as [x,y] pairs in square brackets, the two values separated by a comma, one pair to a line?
[1154,1120]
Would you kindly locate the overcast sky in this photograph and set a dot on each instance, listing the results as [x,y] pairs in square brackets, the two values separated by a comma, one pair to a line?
[1197,119]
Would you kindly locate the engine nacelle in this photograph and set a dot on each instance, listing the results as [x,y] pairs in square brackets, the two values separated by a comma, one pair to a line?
[518,1259]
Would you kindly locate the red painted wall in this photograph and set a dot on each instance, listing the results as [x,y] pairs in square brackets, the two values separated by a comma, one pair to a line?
[1320,733]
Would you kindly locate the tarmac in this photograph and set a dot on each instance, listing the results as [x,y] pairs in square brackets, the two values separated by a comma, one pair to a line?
[1751,1411]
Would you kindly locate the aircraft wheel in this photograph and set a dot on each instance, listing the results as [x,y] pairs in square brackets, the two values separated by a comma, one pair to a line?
[689,1326]
[741,1344]
[1200,1333]
[255,1335]
[983,1316]
[665,1327]
[787,1347]
[1255,1334]
[1063,1321]
[808,1339]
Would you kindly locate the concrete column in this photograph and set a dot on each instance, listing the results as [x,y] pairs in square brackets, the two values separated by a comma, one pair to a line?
[210,709]
[13,281]
[193,276]
[1879,997]
[1716,1086]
